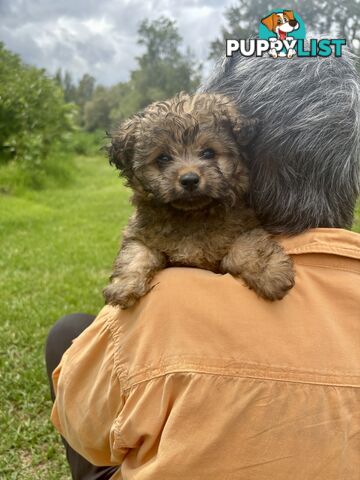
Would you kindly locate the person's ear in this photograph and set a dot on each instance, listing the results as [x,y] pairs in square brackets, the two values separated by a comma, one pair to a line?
[245,129]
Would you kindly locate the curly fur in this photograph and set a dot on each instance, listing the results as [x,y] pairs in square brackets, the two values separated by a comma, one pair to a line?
[204,224]
[304,171]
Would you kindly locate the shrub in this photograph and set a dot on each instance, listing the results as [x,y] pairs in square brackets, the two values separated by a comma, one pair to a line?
[86,143]
[34,118]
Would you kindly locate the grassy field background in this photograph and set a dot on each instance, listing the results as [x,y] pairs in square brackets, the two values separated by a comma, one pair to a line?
[57,246]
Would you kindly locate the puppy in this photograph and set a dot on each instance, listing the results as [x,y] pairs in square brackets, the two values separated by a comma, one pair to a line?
[184,159]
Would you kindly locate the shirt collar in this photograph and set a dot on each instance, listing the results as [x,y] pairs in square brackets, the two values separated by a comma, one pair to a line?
[335,241]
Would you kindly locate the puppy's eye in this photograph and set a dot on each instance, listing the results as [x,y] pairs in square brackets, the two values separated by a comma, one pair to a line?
[279,22]
[163,158]
[208,153]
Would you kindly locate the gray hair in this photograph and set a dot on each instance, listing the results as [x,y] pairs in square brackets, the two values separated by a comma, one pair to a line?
[304,166]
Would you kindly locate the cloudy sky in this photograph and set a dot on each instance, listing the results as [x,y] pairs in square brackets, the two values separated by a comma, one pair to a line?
[99,36]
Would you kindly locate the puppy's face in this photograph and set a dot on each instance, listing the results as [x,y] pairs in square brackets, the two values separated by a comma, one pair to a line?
[185,152]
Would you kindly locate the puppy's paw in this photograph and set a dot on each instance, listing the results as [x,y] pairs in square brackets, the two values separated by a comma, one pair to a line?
[262,264]
[277,279]
[116,295]
[124,293]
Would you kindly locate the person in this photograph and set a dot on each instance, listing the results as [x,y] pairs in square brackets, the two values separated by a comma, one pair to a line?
[203,379]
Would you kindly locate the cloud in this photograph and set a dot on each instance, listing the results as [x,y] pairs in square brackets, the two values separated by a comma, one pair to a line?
[89,36]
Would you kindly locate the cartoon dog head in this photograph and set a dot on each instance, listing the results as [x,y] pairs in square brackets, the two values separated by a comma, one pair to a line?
[281,23]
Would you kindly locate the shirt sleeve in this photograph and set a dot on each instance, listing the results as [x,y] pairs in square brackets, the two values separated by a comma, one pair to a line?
[88,394]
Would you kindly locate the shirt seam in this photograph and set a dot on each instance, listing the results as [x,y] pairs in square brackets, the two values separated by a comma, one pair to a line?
[321,247]
[330,267]
[115,336]
[248,376]
[199,361]
[265,373]
[117,424]
[194,364]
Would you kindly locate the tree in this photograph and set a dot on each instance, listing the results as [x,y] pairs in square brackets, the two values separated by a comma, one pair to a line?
[69,88]
[58,77]
[33,113]
[127,101]
[85,89]
[77,94]
[163,68]
[84,93]
[97,110]
[319,16]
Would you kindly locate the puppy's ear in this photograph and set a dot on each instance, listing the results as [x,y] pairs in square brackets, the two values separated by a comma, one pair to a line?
[270,22]
[121,150]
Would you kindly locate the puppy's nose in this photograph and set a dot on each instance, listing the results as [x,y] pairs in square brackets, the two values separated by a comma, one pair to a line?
[190,180]
[293,23]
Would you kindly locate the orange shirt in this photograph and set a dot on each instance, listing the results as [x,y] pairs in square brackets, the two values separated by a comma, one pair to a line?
[204,380]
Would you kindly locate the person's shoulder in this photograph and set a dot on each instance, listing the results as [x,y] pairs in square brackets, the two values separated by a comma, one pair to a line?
[175,277]
[189,316]
[185,294]
[179,293]
[185,285]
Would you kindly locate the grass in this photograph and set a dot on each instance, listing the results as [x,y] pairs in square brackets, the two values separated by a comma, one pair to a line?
[57,246]
[56,170]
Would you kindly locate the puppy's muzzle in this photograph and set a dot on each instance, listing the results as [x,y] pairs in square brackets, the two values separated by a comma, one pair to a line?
[190,181]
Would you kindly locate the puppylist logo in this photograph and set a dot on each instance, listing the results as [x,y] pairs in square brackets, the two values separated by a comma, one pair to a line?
[282,35]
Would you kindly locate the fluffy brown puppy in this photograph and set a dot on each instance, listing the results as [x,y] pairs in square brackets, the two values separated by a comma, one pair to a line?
[184,160]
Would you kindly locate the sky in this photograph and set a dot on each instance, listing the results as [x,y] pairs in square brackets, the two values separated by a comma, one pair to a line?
[99,36]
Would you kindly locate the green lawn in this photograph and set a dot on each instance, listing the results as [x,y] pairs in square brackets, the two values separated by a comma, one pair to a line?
[57,247]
